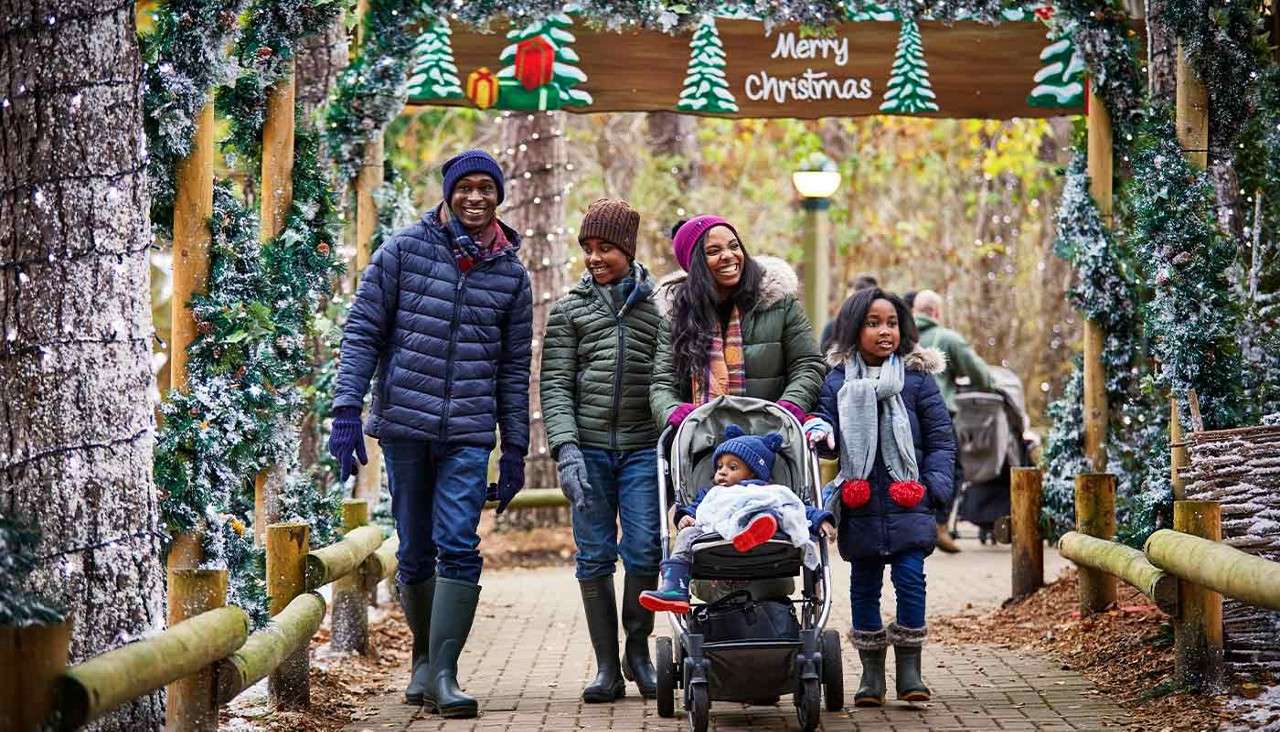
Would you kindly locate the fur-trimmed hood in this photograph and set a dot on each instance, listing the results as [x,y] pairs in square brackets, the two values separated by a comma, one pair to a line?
[928,360]
[778,279]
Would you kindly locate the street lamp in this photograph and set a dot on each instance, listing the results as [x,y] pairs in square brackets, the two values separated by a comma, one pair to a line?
[816,181]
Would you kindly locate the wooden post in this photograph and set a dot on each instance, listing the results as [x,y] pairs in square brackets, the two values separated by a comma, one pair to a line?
[1028,547]
[276,197]
[1197,631]
[350,619]
[1098,123]
[192,207]
[1179,458]
[287,547]
[1096,517]
[192,701]
[31,659]
[1192,109]
[369,477]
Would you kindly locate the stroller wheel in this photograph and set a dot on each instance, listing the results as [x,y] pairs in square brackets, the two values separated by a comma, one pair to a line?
[699,713]
[666,668]
[809,704]
[832,671]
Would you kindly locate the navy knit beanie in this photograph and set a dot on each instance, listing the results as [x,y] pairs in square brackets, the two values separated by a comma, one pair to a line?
[757,452]
[472,161]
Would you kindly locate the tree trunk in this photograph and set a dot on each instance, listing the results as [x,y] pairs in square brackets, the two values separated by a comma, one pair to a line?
[76,419]
[321,57]
[534,206]
[674,135]
[1162,53]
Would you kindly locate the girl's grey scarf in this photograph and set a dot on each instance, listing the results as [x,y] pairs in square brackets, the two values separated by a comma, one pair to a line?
[872,415]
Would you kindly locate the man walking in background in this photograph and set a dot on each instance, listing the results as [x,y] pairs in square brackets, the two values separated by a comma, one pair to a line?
[964,367]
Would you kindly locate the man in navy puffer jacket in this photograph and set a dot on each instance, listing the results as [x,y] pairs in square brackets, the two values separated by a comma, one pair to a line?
[443,318]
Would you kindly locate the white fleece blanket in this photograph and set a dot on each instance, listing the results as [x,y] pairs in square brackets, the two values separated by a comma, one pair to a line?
[727,510]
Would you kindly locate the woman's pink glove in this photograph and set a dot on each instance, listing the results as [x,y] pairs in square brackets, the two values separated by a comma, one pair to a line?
[678,414]
[794,408]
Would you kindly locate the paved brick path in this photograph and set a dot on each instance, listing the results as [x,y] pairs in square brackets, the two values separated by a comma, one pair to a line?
[529,657]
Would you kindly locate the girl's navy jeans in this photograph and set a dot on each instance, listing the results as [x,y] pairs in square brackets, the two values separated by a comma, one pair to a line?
[906,569]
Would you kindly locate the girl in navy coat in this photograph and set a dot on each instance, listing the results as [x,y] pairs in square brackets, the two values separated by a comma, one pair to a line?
[881,412]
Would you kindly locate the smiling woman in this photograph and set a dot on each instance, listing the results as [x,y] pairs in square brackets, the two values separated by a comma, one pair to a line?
[734,327]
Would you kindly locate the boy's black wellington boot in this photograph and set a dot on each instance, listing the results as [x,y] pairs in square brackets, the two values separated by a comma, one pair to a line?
[907,648]
[601,606]
[638,624]
[872,648]
[416,601]
[452,611]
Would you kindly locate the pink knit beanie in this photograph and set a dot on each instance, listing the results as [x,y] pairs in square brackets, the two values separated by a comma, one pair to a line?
[690,232]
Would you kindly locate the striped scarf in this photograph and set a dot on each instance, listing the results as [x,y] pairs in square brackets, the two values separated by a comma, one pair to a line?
[726,373]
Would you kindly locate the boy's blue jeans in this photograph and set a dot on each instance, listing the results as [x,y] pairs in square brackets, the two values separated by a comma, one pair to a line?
[867,575]
[437,493]
[624,488]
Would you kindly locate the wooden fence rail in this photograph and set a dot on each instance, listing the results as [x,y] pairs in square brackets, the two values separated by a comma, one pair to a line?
[1124,562]
[218,643]
[89,689]
[1186,571]
[1224,569]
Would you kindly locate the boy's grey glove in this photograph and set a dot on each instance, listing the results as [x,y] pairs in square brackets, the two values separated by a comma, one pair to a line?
[572,468]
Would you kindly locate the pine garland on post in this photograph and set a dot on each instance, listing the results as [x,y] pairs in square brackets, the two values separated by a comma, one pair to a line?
[705,88]
[183,60]
[1191,319]
[909,91]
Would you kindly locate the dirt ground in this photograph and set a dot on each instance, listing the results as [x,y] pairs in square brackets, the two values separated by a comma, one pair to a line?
[1127,651]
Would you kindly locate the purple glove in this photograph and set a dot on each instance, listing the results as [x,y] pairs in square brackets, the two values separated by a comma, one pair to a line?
[346,440]
[678,414]
[795,410]
[510,477]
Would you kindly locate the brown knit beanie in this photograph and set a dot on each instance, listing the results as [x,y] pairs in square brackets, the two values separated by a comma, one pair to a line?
[614,221]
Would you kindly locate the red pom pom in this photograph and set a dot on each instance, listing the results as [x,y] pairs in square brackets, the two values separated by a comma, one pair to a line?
[855,493]
[906,493]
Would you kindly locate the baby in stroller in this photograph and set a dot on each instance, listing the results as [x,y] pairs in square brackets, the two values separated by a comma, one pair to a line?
[741,501]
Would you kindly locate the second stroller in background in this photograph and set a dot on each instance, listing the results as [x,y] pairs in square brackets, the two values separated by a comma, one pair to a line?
[993,435]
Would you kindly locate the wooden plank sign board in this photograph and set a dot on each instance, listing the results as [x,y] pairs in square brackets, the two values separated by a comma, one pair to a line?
[736,68]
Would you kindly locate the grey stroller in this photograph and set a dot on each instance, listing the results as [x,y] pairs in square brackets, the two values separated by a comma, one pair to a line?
[755,644]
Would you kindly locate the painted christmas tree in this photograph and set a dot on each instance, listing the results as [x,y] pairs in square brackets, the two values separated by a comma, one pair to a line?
[909,91]
[435,75]
[705,87]
[865,11]
[538,67]
[1060,80]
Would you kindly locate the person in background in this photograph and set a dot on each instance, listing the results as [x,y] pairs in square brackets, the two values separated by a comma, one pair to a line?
[860,283]
[962,364]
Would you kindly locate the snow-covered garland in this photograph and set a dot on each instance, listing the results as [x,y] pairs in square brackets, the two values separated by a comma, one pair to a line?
[262,53]
[250,350]
[1105,291]
[18,606]
[184,58]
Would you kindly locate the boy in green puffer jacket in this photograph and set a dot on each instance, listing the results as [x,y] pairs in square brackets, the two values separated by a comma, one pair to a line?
[596,360]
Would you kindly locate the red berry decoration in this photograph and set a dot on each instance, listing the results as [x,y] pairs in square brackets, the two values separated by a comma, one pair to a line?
[264,53]
[323,248]
[240,372]
[855,493]
[906,493]
[1044,12]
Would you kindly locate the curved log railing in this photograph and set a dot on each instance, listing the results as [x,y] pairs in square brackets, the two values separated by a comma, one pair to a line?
[220,640]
